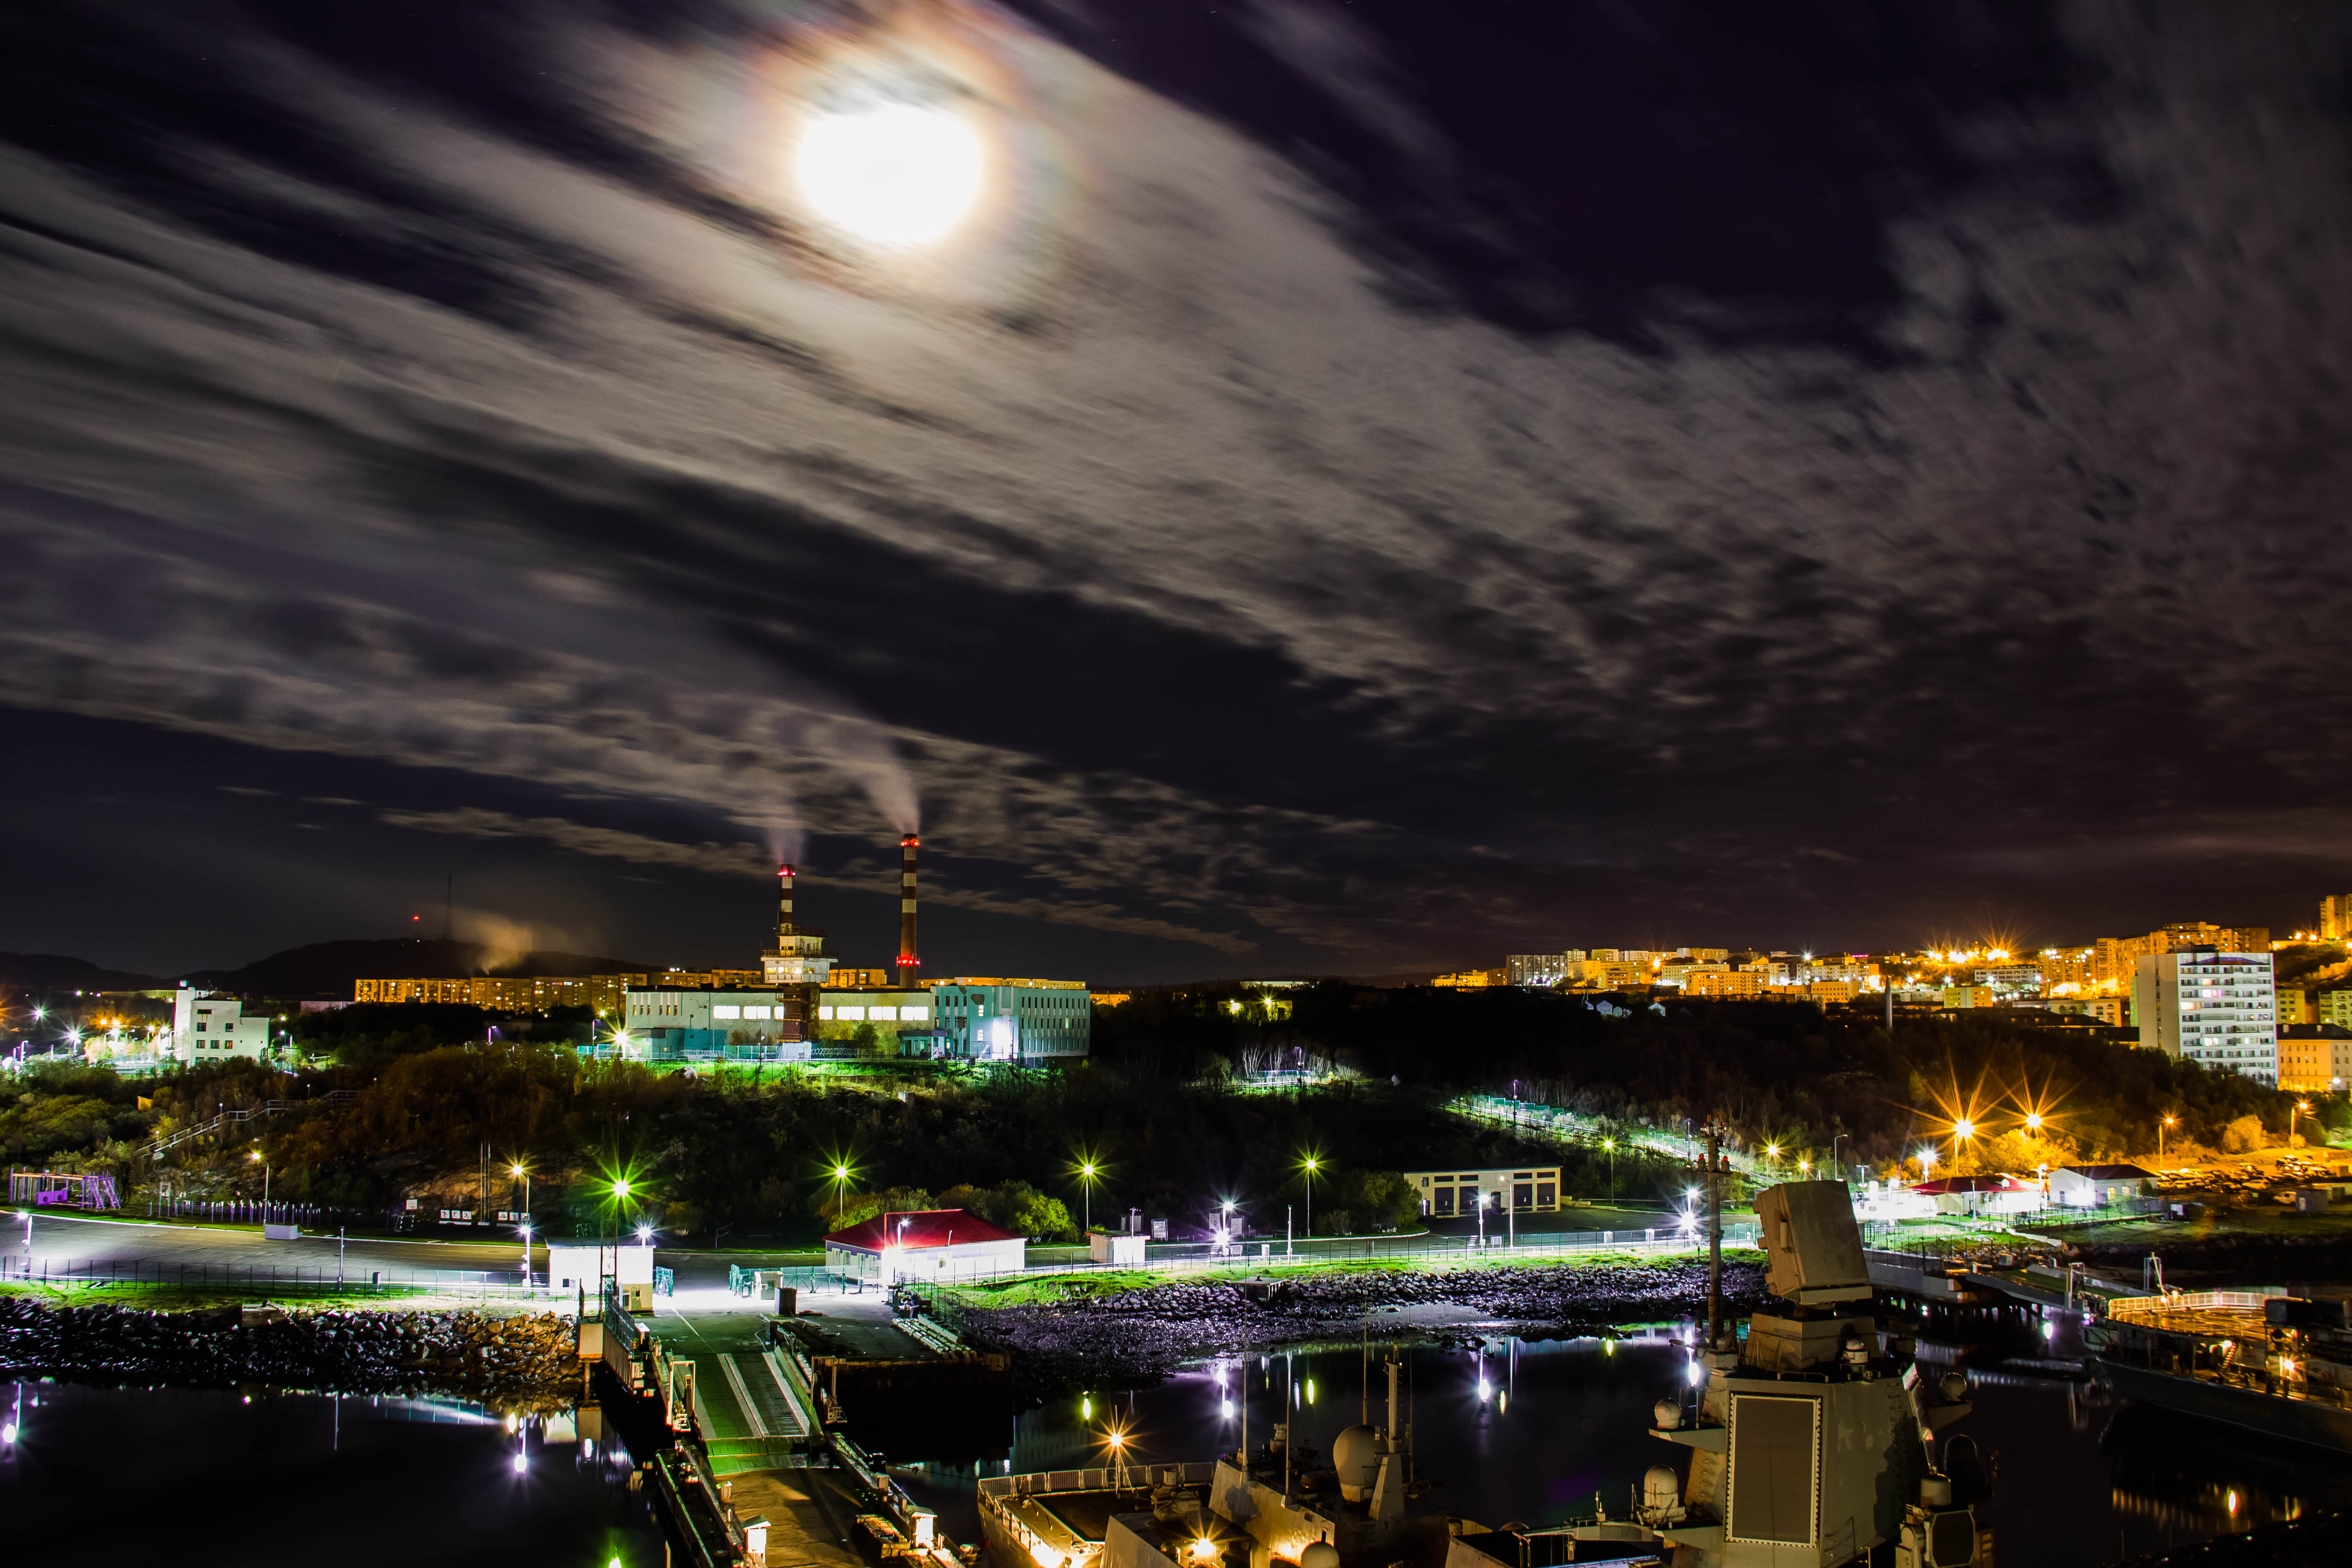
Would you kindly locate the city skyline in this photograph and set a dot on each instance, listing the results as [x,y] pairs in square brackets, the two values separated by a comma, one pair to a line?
[1288,518]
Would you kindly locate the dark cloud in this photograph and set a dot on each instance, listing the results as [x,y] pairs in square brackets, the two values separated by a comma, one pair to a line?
[1373,486]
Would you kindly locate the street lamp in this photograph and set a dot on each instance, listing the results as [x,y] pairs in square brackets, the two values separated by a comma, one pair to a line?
[1086,1202]
[1772,1152]
[254,1155]
[522,1173]
[840,1192]
[1926,1164]
[1310,1165]
[2301,1105]
[2160,1136]
[2033,1121]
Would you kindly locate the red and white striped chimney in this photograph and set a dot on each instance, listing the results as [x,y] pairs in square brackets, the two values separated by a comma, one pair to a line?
[907,963]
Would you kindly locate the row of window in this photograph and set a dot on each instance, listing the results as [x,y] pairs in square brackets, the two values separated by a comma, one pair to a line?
[878,1011]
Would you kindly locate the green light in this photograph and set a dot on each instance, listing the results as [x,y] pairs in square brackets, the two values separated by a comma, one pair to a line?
[1086,1407]
[621,1188]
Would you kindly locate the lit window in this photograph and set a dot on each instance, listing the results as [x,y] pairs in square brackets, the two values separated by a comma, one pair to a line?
[722,1011]
[759,1012]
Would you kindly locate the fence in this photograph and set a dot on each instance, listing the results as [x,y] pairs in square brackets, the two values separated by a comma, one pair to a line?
[266,1278]
[228,1118]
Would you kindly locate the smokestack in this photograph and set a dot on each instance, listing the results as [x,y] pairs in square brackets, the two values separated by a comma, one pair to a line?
[785,927]
[907,963]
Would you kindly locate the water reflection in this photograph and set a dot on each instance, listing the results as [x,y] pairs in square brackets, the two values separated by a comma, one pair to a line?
[1534,1432]
[248,1476]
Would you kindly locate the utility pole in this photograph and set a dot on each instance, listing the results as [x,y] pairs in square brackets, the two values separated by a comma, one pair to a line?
[1714,1237]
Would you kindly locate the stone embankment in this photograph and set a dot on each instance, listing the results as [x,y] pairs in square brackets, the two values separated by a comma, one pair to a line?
[1144,1334]
[518,1362]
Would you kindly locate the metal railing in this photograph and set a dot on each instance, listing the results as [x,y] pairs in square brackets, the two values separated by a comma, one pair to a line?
[233,1118]
[268,1278]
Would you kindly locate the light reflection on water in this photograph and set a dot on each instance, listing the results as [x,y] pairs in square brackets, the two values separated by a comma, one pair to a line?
[203,1475]
[2083,1477]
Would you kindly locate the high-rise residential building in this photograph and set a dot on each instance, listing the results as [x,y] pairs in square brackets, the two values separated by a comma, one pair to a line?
[2211,1007]
[2335,917]
[2335,1007]
[2296,1005]
[2064,966]
[1540,969]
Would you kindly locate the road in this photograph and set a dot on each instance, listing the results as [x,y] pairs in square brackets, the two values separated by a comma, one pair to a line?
[63,1242]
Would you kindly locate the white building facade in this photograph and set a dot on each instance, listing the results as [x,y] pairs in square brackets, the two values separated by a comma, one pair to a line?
[684,1024]
[1012,1021]
[2219,1009]
[209,1027]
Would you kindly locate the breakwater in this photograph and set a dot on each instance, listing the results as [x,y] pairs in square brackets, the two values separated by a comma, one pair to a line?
[522,1362]
[1145,1334]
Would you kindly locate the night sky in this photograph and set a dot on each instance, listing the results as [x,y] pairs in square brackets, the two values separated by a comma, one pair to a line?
[1367,485]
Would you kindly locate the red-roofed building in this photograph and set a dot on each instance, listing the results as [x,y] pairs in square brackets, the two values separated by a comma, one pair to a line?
[1994,1193]
[923,1244]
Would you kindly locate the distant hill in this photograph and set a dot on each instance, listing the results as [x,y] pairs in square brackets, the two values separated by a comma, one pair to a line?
[328,968]
[53,971]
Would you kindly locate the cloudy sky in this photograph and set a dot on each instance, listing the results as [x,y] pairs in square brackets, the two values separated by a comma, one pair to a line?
[1360,486]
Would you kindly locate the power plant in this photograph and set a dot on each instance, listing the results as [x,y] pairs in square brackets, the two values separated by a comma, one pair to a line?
[908,964]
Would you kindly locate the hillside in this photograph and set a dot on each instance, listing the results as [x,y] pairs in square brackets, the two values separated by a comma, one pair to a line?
[45,973]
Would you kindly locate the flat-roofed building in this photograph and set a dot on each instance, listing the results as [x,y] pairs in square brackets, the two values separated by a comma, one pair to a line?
[670,1024]
[2315,1059]
[1721,984]
[979,1019]
[1450,1193]
[209,1026]
[518,994]
[1539,969]
[902,1022]
[2210,1007]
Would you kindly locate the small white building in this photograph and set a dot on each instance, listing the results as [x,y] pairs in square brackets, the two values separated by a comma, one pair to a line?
[2096,1186]
[579,1267]
[923,1244]
[209,1027]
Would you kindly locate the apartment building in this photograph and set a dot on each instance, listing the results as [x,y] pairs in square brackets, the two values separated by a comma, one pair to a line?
[2210,1005]
[2315,1059]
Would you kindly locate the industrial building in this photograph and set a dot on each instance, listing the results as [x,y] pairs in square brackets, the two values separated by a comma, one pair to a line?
[923,1244]
[210,1027]
[901,1020]
[2210,1007]
[1011,1021]
[670,1024]
[1445,1193]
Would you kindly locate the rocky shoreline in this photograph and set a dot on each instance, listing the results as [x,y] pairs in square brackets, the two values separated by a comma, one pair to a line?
[521,1362]
[1141,1336]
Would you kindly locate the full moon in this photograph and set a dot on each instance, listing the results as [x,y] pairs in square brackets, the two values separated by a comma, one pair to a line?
[899,174]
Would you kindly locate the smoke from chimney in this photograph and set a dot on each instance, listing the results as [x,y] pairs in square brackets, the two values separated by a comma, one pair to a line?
[907,963]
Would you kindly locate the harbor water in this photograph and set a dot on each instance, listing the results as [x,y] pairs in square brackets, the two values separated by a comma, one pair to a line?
[1538,1433]
[201,1477]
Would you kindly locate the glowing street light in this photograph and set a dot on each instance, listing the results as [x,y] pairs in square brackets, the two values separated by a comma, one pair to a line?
[1310,1164]
[1087,1170]
[254,1156]
[2159,1136]
[2033,1121]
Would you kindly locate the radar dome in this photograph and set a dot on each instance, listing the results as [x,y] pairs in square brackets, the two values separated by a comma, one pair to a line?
[1661,1487]
[1356,1457]
[1322,1554]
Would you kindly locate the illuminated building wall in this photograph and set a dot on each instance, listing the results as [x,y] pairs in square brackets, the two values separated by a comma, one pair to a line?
[2210,1007]
[510,994]
[1012,1021]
